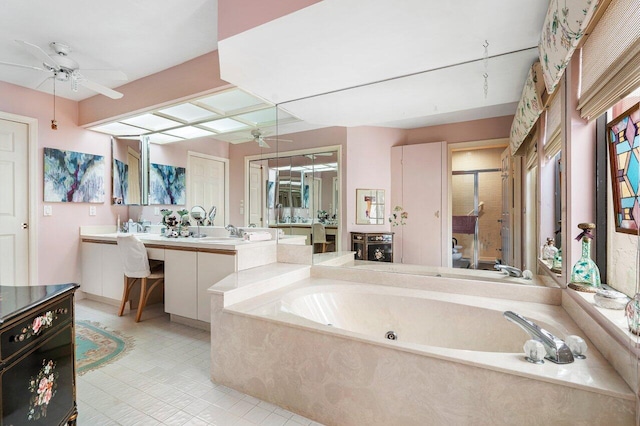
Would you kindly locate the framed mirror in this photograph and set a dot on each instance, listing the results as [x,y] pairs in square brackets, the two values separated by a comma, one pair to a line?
[369,206]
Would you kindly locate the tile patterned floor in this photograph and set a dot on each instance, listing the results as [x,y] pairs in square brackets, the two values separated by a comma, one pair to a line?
[164,379]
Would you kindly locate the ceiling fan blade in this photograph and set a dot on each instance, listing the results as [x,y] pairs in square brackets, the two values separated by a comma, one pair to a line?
[38,53]
[278,140]
[22,66]
[103,90]
[106,74]
[43,82]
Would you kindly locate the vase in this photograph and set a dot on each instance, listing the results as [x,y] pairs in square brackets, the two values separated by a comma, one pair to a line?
[585,271]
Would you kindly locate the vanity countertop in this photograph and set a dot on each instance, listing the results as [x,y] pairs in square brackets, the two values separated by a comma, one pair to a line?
[215,243]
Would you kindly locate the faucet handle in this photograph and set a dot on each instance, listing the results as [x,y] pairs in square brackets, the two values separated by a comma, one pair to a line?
[534,351]
[577,345]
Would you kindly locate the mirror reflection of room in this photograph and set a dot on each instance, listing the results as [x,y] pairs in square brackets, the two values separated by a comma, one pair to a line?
[297,194]
[127,171]
[476,192]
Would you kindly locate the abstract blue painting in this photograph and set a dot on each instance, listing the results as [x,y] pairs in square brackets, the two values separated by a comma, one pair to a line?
[71,176]
[167,184]
[120,182]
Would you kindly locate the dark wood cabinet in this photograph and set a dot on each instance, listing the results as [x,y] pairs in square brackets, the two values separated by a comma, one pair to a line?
[37,355]
[376,247]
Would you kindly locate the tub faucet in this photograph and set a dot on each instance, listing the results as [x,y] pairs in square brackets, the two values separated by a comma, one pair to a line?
[557,349]
[511,270]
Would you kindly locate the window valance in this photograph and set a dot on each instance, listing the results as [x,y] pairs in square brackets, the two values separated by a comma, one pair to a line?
[563,29]
[529,108]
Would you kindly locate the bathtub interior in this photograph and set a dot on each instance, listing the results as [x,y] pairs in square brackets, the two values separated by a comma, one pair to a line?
[372,311]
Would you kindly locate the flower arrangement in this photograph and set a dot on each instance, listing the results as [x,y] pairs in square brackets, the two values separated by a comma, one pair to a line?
[398,217]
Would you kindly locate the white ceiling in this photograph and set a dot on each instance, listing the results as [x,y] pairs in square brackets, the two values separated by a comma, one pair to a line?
[337,44]
[327,47]
[138,37]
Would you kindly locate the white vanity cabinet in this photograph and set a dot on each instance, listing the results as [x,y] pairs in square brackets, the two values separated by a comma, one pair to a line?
[181,283]
[102,273]
[188,275]
[191,266]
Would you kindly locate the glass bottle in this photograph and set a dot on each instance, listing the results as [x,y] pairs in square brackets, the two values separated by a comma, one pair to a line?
[585,271]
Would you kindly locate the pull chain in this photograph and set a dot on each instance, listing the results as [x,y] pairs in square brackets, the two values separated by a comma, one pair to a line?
[486,68]
[54,123]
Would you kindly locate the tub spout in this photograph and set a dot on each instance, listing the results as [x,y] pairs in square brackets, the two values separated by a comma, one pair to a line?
[557,349]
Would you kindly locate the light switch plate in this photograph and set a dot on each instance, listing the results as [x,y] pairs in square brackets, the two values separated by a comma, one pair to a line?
[92,210]
[156,211]
[48,211]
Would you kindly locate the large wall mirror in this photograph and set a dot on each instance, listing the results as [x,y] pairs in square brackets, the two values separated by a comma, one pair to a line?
[367,159]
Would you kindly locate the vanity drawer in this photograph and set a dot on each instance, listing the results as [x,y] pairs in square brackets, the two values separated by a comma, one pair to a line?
[34,327]
[155,253]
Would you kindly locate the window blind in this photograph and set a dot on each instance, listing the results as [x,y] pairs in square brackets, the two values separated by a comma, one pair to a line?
[553,134]
[611,59]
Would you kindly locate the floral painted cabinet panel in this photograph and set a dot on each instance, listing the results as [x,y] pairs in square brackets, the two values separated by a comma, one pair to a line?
[37,373]
[376,247]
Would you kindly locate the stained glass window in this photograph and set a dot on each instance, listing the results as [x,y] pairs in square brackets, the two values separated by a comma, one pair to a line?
[624,152]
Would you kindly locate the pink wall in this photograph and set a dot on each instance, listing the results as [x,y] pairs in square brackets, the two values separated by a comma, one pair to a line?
[187,80]
[369,160]
[58,242]
[476,130]
[236,16]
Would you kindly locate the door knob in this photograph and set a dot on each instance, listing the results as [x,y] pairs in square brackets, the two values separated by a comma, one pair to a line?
[25,226]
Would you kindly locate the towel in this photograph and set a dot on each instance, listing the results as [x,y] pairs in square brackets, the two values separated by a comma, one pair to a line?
[463,224]
[257,236]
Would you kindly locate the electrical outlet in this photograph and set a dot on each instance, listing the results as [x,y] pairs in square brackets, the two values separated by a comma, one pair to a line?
[48,211]
[92,210]
[156,211]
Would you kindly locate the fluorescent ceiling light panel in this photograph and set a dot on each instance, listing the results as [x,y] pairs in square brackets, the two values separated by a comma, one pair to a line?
[188,112]
[151,122]
[160,138]
[119,129]
[224,125]
[189,132]
[231,100]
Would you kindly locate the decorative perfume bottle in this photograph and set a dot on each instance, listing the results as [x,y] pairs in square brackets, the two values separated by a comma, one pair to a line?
[585,272]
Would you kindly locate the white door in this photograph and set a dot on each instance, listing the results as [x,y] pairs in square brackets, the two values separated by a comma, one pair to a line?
[207,185]
[256,201]
[422,195]
[14,210]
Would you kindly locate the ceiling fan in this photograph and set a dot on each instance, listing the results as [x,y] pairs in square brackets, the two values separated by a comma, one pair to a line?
[63,68]
[259,138]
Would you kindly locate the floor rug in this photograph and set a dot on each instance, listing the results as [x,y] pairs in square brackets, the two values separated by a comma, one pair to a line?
[96,346]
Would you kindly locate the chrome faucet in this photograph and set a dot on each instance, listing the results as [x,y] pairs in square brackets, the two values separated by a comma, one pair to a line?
[233,231]
[557,349]
[511,270]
